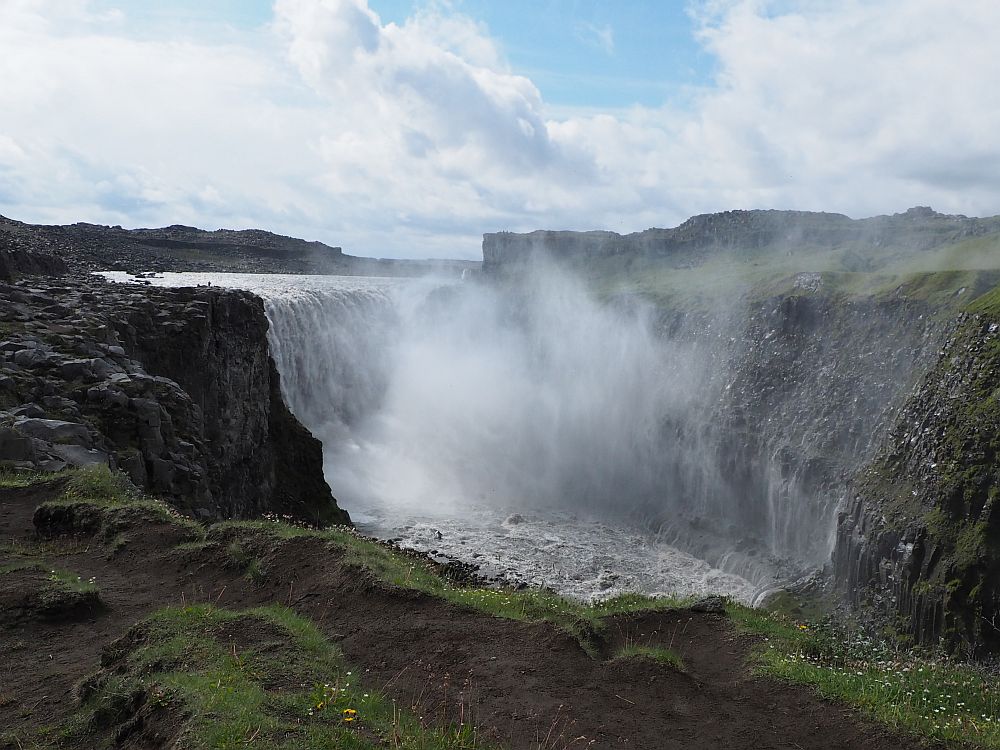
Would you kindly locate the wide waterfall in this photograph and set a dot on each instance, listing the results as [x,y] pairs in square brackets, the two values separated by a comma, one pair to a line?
[534,431]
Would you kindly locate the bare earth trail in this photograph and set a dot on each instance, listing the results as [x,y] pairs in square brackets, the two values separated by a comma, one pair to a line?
[524,685]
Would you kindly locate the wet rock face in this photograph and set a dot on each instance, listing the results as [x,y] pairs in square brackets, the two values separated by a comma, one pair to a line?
[919,541]
[173,386]
[804,386]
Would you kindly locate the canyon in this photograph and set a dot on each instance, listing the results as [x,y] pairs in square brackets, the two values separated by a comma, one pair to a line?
[762,390]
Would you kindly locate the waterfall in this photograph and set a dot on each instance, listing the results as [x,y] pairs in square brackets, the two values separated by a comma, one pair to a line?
[447,396]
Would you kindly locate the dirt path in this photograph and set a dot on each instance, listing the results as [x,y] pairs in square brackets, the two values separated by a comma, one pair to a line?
[526,685]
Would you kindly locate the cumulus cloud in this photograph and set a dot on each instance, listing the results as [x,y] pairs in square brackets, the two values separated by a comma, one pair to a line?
[413,138]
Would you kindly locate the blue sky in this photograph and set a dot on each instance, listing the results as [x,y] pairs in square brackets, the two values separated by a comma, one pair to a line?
[400,129]
[580,53]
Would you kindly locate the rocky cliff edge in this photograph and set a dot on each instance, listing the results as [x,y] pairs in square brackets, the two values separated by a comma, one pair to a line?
[175,387]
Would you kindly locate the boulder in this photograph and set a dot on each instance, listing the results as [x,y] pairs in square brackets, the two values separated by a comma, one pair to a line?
[54,431]
[14,447]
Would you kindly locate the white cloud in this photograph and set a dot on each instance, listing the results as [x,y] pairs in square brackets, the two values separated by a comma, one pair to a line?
[413,139]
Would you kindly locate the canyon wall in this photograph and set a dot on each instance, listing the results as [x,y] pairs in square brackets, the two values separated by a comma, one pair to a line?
[174,386]
[804,386]
[919,540]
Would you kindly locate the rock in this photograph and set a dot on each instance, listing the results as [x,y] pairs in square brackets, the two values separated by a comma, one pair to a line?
[713,605]
[108,396]
[33,357]
[77,455]
[28,410]
[54,430]
[15,447]
[86,369]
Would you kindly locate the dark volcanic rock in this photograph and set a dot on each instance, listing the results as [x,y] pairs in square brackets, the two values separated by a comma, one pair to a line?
[173,386]
[17,261]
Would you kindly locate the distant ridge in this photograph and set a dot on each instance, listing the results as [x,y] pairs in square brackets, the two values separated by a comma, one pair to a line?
[90,247]
[917,228]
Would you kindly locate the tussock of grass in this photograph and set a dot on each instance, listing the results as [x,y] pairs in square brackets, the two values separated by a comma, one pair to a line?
[242,558]
[67,581]
[98,484]
[924,694]
[99,501]
[265,677]
[658,654]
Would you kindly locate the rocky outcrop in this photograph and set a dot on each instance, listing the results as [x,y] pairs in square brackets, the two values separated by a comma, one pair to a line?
[17,259]
[173,386]
[919,541]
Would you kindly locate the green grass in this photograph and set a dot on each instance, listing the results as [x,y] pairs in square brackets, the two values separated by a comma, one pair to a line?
[242,558]
[912,691]
[56,579]
[96,499]
[18,565]
[67,581]
[260,678]
[100,485]
[14,479]
[659,654]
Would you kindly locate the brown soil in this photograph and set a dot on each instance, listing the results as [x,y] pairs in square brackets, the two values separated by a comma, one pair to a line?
[526,685]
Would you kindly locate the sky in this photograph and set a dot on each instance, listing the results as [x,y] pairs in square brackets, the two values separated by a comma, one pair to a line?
[407,128]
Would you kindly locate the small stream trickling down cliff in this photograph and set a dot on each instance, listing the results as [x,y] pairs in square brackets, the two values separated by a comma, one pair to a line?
[592,447]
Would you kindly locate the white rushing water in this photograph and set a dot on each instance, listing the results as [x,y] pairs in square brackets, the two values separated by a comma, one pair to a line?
[521,432]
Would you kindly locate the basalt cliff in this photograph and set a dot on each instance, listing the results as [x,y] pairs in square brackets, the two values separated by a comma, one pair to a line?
[175,387]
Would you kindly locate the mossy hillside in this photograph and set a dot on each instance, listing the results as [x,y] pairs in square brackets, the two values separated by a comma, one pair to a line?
[101,503]
[945,277]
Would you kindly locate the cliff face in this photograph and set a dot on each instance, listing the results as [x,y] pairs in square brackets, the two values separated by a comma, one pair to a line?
[174,386]
[919,540]
[214,344]
[803,385]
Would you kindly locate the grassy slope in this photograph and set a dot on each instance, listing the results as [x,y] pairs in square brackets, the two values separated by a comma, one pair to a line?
[233,693]
[263,677]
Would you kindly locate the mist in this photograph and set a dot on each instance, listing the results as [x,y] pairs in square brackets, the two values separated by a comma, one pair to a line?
[534,397]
